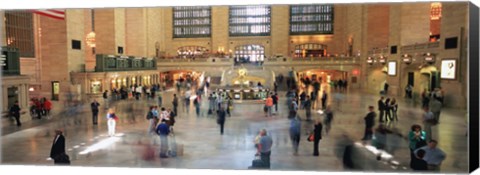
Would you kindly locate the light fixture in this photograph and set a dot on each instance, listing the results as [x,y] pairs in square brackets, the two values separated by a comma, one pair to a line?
[31,89]
[370,60]
[90,39]
[407,59]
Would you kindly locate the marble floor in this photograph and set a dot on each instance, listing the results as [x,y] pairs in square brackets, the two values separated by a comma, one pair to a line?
[205,148]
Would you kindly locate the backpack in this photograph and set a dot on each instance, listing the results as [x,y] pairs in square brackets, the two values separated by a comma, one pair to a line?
[149,115]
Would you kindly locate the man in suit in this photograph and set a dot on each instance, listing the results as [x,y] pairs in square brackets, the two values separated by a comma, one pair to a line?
[94,107]
[381,108]
[58,147]
[369,123]
[221,114]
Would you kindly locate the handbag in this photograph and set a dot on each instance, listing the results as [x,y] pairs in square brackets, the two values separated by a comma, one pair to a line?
[311,137]
[420,143]
[265,108]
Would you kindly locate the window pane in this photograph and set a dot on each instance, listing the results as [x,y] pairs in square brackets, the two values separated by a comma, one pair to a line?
[249,20]
[191,22]
[311,19]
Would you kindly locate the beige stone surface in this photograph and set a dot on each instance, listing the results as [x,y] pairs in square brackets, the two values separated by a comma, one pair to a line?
[75,31]
[105,31]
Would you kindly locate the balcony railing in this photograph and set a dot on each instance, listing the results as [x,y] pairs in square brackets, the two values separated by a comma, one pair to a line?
[413,47]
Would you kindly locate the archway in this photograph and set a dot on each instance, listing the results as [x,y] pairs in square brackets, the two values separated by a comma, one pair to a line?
[310,50]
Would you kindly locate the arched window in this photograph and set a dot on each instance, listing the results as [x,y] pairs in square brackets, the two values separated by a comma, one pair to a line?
[192,51]
[249,53]
[310,50]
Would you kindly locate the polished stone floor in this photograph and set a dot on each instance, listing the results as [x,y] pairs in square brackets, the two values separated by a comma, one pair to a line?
[205,148]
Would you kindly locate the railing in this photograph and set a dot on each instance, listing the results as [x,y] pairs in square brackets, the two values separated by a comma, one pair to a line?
[313,59]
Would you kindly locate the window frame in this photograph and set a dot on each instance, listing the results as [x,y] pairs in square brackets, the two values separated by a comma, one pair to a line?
[249,25]
[308,22]
[20,26]
[191,26]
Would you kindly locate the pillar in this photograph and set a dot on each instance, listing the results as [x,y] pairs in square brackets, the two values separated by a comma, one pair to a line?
[4,98]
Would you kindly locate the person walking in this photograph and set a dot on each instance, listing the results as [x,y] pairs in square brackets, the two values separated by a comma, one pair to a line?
[428,122]
[111,122]
[385,88]
[163,130]
[324,99]
[265,148]
[387,108]
[308,108]
[15,112]
[417,139]
[295,128]
[369,123]
[175,103]
[221,114]
[408,91]
[433,155]
[229,105]
[328,119]
[394,108]
[58,147]
[47,106]
[269,105]
[151,120]
[436,108]
[187,101]
[275,101]
[196,103]
[381,109]
[317,136]
[425,98]
[94,106]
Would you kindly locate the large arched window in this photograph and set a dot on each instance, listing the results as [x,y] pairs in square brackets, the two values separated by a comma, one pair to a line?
[192,51]
[311,19]
[310,50]
[251,20]
[249,53]
[192,22]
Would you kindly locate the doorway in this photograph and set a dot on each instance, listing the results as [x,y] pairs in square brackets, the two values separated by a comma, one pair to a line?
[12,95]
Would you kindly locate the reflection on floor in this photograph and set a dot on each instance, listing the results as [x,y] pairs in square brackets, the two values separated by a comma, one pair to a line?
[205,148]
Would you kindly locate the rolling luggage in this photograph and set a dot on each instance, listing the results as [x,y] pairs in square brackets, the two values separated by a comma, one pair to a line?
[257,163]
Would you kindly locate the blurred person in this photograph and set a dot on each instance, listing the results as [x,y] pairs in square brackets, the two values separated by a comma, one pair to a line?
[15,112]
[295,131]
[94,107]
[428,122]
[308,108]
[57,152]
[369,123]
[417,139]
[269,105]
[221,114]
[163,131]
[394,108]
[265,147]
[433,155]
[381,109]
[328,119]
[317,136]
[418,163]
[111,122]
[175,103]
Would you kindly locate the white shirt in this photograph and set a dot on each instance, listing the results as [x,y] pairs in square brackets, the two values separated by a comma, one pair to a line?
[164,115]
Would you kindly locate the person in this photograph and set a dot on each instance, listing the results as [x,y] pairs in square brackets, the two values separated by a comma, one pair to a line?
[221,114]
[418,163]
[428,122]
[269,105]
[387,108]
[324,100]
[293,107]
[47,106]
[385,88]
[275,86]
[187,100]
[111,122]
[308,108]
[394,108]
[380,140]
[425,98]
[163,130]
[171,118]
[369,123]
[381,109]
[265,147]
[151,119]
[328,119]
[436,108]
[317,136]
[433,155]
[295,128]
[175,103]
[58,147]
[229,105]
[275,101]
[15,112]
[416,138]
[196,103]
[94,106]
[408,91]
[105,98]
[303,95]
[159,99]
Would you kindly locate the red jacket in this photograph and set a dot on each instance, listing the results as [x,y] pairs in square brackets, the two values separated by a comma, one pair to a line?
[47,105]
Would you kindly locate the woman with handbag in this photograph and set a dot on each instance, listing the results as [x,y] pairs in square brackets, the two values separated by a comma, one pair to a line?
[416,139]
[111,121]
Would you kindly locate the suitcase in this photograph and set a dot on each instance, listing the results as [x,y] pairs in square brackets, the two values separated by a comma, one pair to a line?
[257,163]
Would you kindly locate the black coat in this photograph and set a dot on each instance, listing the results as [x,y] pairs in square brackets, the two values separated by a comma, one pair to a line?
[370,120]
[381,105]
[419,164]
[58,147]
[94,106]
[221,116]
[15,110]
[317,132]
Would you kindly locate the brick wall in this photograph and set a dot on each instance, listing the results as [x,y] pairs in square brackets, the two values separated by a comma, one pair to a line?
[135,31]
[105,31]
[75,31]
